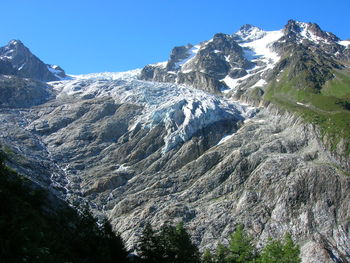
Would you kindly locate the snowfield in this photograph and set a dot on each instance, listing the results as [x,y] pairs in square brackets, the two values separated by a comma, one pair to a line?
[257,46]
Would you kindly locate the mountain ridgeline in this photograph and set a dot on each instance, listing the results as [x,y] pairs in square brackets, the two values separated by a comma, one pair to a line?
[246,129]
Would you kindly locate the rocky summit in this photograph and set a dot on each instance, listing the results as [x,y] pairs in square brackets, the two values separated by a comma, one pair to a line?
[246,128]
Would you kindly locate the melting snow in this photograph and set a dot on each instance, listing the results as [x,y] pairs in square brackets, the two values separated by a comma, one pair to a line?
[226,138]
[302,104]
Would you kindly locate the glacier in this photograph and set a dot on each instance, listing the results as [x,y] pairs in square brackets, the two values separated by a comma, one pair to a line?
[183,110]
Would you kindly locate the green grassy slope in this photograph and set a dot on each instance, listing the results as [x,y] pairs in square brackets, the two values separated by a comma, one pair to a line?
[317,98]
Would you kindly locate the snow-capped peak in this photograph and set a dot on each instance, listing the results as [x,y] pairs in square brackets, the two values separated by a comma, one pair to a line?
[249,33]
[257,45]
[8,51]
[15,42]
[308,34]
[301,31]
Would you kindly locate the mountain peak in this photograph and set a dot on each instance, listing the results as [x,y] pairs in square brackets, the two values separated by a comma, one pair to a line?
[294,27]
[248,32]
[246,27]
[15,42]
[16,45]
[27,65]
[296,30]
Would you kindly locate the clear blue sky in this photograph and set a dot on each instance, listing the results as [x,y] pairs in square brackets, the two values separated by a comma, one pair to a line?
[112,35]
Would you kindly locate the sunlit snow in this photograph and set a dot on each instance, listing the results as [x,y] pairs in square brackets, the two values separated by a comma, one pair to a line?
[262,47]
[257,47]
[345,43]
[191,54]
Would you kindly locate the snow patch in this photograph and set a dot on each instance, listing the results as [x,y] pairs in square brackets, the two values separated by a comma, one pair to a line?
[260,83]
[225,138]
[54,69]
[309,35]
[262,47]
[253,33]
[257,48]
[302,104]
[191,54]
[21,66]
[345,43]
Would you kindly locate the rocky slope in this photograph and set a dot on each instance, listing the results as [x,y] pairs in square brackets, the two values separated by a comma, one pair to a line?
[22,92]
[171,141]
[16,59]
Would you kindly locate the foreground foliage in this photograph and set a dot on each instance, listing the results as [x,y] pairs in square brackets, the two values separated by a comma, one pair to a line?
[173,245]
[35,228]
[169,244]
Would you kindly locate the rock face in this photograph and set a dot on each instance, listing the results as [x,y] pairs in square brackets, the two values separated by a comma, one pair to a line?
[23,77]
[17,92]
[243,63]
[6,67]
[25,64]
[201,66]
[311,31]
[171,142]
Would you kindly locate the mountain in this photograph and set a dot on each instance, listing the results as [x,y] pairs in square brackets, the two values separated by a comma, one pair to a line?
[23,77]
[25,64]
[36,226]
[238,63]
[249,128]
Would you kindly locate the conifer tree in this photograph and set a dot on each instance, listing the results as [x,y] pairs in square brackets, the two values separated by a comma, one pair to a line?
[170,244]
[241,248]
[207,257]
[277,251]
[221,253]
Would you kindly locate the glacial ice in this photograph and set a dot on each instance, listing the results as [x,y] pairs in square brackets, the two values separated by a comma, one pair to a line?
[182,110]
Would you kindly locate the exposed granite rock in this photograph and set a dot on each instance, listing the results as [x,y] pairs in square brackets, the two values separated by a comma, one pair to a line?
[27,65]
[201,81]
[293,29]
[6,67]
[17,92]
[272,175]
[237,73]
[176,56]
[202,66]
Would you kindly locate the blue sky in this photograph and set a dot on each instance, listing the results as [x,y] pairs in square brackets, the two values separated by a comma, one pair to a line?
[106,35]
